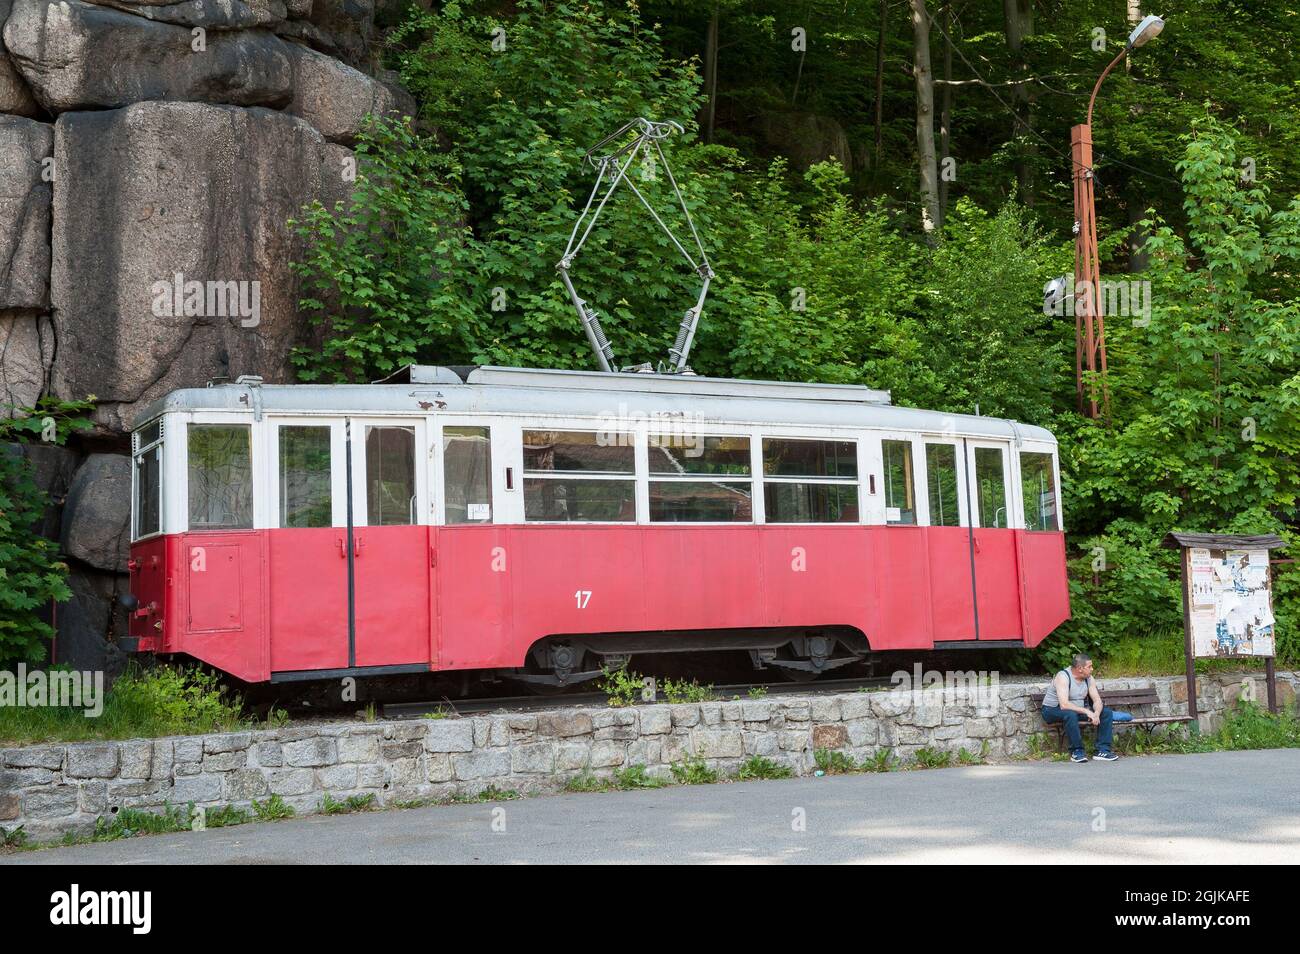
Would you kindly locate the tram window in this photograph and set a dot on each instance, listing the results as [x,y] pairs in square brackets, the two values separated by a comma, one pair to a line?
[578,452]
[674,455]
[808,458]
[306,498]
[809,481]
[1038,484]
[565,498]
[941,474]
[148,491]
[579,476]
[220,477]
[466,474]
[900,483]
[991,485]
[390,476]
[701,501]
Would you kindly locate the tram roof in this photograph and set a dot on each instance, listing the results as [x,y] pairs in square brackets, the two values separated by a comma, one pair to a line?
[606,395]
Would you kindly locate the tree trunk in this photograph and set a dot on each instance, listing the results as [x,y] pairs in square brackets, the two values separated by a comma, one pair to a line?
[945,109]
[1020,24]
[880,78]
[710,76]
[929,177]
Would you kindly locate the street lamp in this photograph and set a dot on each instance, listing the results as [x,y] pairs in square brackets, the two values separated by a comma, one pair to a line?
[1089,324]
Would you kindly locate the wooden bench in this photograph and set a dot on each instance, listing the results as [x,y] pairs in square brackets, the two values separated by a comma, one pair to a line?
[1121,699]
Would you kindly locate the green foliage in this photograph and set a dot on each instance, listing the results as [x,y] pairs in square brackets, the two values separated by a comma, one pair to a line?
[881,761]
[273,809]
[678,691]
[834,762]
[756,766]
[693,772]
[1205,433]
[159,701]
[928,758]
[129,822]
[31,574]
[622,686]
[225,816]
[353,803]
[587,782]
[757,692]
[13,837]
[965,757]
[636,776]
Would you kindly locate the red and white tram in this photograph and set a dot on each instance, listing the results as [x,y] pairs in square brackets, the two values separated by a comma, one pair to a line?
[550,522]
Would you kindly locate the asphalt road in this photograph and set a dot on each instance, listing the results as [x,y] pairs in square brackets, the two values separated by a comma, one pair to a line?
[1225,807]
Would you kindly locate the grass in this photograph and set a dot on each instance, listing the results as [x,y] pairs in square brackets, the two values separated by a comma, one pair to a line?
[622,687]
[683,691]
[693,772]
[353,803]
[756,766]
[149,703]
[636,776]
[273,809]
[1161,654]
[928,758]
[834,763]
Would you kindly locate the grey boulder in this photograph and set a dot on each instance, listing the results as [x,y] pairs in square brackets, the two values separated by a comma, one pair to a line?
[96,519]
[160,194]
[25,197]
[78,55]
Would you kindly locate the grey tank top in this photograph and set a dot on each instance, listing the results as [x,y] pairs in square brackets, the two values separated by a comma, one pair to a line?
[1078,690]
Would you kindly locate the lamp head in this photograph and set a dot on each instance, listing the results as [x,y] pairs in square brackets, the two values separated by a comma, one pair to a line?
[1148,29]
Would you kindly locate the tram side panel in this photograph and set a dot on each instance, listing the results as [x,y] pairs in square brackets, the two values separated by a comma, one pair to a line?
[1045,584]
[817,575]
[220,601]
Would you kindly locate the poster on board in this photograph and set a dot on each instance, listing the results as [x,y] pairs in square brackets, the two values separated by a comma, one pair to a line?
[1231,611]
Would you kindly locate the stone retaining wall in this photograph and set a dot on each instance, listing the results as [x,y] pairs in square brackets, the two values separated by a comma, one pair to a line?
[53,789]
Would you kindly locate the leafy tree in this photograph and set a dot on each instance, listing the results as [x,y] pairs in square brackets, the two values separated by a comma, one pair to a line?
[31,573]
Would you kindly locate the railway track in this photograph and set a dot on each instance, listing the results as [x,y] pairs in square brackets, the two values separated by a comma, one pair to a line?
[727,693]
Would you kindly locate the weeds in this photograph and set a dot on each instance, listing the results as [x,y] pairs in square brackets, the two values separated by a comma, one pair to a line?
[273,809]
[693,772]
[756,766]
[353,803]
[882,761]
[928,758]
[683,691]
[833,762]
[621,686]
[636,776]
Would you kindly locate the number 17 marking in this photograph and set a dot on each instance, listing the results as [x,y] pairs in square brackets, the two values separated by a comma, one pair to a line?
[583,597]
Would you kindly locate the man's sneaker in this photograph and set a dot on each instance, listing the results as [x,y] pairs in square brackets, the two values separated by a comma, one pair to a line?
[1079,757]
[1106,757]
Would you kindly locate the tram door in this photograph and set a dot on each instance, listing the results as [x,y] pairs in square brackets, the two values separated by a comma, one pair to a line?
[391,553]
[307,545]
[996,555]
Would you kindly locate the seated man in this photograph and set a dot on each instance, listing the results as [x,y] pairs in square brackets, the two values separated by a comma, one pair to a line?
[1066,701]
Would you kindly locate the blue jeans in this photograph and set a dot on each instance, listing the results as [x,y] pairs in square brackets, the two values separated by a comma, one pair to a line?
[1053,714]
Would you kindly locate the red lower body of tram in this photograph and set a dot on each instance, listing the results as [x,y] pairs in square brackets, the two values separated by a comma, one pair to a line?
[275,604]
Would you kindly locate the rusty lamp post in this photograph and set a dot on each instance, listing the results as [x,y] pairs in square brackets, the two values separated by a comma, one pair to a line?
[1089,323]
